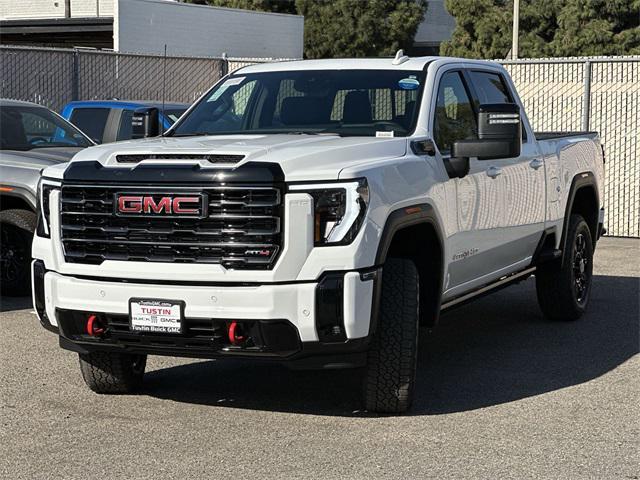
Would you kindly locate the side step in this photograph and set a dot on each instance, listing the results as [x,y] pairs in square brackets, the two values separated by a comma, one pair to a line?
[490,288]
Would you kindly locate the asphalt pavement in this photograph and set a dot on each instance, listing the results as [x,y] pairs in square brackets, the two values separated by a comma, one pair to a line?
[502,393]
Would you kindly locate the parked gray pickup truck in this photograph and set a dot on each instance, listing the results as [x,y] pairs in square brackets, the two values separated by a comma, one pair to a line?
[32,137]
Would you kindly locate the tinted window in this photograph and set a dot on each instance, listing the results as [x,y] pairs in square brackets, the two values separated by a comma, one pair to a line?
[91,121]
[124,129]
[346,102]
[454,118]
[26,128]
[490,87]
[173,114]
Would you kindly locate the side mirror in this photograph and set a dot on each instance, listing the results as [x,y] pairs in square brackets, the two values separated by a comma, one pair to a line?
[499,134]
[145,122]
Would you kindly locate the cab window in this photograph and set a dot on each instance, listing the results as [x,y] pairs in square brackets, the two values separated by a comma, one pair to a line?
[490,87]
[454,115]
[91,121]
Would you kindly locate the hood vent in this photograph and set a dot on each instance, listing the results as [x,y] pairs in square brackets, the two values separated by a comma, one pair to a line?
[212,158]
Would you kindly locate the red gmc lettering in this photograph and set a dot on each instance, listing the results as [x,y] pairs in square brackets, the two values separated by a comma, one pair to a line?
[150,205]
[130,204]
[178,201]
[167,205]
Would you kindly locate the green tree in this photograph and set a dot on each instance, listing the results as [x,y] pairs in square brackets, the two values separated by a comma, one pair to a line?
[548,28]
[346,28]
[354,28]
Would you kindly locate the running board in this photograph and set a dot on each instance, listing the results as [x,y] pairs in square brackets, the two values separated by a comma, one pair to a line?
[490,288]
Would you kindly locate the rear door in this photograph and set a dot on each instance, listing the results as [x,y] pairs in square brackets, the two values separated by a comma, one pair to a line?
[520,182]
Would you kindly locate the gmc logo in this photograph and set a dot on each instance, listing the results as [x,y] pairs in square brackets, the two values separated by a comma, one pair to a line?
[159,204]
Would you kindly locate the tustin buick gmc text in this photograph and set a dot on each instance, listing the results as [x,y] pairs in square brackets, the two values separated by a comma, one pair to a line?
[315,213]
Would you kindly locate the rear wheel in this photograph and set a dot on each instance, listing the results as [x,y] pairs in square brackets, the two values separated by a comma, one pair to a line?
[392,358]
[112,372]
[16,235]
[563,290]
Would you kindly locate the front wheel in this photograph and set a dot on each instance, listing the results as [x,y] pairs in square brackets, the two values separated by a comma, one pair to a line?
[112,372]
[16,235]
[563,290]
[392,358]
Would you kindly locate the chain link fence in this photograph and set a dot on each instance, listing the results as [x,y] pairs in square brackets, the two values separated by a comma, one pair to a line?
[54,77]
[600,94]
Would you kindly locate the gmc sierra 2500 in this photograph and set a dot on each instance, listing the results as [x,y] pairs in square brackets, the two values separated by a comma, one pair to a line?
[315,212]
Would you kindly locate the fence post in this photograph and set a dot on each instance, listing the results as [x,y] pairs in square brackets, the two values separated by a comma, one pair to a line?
[75,76]
[225,64]
[586,101]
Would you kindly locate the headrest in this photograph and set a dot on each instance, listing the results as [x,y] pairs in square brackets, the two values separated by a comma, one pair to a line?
[304,111]
[357,107]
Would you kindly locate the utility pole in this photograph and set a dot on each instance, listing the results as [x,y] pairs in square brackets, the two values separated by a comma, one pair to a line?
[516,28]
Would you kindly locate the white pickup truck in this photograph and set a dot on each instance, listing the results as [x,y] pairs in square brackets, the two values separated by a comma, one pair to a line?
[315,213]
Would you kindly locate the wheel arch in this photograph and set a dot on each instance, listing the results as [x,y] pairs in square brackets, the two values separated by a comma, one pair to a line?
[583,199]
[17,198]
[413,232]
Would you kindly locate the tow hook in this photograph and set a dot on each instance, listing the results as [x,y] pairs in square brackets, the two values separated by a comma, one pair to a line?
[235,334]
[95,328]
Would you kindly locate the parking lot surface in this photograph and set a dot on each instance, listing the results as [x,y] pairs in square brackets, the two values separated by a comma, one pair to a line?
[502,393]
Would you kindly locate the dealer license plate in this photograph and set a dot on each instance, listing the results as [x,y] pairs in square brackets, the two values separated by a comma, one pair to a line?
[161,316]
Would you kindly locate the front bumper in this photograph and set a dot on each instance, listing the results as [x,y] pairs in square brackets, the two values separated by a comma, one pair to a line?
[316,324]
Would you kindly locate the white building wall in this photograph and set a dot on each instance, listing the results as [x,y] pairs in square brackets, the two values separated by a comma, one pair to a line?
[32,9]
[16,9]
[145,26]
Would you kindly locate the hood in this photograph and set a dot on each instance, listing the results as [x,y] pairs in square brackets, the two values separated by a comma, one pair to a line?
[38,157]
[301,157]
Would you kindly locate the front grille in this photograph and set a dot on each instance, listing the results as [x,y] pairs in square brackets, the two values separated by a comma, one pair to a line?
[242,227]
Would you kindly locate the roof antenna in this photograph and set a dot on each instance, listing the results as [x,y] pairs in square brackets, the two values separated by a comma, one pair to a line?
[400,58]
[164,85]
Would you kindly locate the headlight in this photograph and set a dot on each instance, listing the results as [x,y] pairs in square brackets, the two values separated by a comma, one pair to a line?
[339,210]
[45,187]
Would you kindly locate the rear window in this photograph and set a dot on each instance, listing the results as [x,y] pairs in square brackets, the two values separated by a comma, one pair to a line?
[91,121]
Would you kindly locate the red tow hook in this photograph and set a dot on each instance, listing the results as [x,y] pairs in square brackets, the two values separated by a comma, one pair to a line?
[94,326]
[234,337]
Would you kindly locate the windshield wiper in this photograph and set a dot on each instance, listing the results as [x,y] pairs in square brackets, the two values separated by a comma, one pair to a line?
[194,134]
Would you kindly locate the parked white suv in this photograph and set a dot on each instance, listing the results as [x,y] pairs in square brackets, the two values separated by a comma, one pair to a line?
[315,212]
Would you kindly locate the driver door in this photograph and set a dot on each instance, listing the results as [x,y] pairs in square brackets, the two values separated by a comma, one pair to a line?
[474,247]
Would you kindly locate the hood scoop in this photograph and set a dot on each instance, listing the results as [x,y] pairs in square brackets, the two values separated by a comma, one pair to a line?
[212,158]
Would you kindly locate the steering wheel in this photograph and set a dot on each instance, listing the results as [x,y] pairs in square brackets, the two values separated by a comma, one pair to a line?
[36,140]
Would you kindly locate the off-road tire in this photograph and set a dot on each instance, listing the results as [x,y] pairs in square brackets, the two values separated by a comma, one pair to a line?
[16,235]
[391,361]
[112,372]
[562,295]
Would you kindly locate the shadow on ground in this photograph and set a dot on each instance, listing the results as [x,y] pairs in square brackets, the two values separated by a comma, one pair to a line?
[9,304]
[493,351]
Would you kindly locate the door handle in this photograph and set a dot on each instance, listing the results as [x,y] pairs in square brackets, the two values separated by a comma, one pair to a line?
[536,163]
[493,172]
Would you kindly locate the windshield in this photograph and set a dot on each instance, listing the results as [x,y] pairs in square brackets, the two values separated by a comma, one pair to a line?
[343,102]
[26,128]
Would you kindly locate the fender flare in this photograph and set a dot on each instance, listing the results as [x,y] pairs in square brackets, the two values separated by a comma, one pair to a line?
[406,217]
[580,181]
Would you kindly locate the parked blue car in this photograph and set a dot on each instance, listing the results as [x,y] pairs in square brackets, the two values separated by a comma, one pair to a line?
[110,120]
